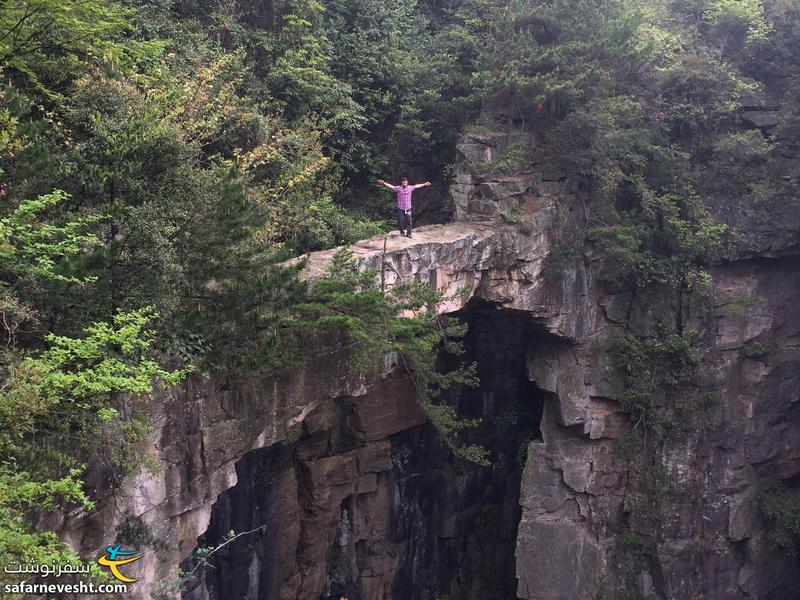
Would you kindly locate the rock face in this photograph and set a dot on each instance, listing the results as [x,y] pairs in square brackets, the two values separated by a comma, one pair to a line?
[341,481]
[480,193]
[712,541]
[369,503]
[338,484]
[576,531]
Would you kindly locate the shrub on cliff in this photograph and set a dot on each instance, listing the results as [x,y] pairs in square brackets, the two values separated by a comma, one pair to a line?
[367,324]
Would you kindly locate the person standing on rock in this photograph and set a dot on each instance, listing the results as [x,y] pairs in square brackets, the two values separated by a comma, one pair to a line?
[404,192]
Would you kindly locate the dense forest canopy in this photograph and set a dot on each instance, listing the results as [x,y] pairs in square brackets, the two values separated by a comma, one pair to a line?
[159,158]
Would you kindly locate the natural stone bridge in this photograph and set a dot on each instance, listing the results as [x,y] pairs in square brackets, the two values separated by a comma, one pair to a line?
[464,261]
[272,456]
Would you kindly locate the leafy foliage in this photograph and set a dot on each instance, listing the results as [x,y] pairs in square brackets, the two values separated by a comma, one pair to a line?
[653,369]
[348,308]
[161,160]
[670,119]
[31,248]
[63,401]
[60,400]
[44,41]
[780,505]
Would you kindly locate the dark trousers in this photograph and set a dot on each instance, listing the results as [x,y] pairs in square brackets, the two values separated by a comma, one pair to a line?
[404,221]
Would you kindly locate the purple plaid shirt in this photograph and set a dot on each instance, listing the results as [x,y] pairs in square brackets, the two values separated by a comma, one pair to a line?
[404,196]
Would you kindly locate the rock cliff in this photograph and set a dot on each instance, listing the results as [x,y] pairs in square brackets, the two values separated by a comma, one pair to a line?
[339,476]
[346,489]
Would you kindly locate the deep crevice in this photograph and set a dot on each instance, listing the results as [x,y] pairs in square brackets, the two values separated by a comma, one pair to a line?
[396,517]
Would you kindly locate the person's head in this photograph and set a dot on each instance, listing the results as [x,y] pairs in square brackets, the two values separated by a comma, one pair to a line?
[404,181]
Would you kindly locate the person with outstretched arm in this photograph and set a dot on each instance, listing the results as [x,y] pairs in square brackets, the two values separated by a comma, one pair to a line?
[404,192]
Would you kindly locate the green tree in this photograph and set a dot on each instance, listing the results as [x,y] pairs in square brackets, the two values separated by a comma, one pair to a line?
[66,396]
[348,310]
[45,43]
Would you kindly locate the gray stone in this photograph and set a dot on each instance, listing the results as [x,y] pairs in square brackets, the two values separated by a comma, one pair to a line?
[559,563]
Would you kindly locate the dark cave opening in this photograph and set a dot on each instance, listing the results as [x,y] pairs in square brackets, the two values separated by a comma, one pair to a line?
[344,511]
[499,342]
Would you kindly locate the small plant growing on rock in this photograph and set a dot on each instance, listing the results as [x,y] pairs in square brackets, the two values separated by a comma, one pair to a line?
[173,588]
[294,434]
[757,349]
[134,532]
[367,324]
[513,160]
[780,505]
[527,226]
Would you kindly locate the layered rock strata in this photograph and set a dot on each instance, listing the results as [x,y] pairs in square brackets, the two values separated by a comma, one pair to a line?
[348,489]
